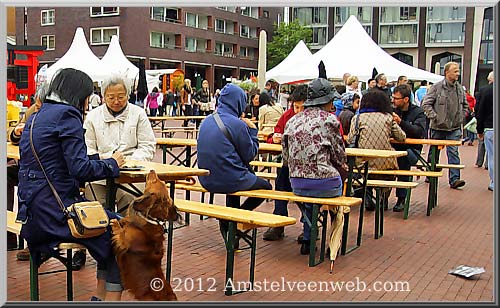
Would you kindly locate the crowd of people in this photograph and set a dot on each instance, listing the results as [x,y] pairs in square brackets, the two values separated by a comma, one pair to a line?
[79,146]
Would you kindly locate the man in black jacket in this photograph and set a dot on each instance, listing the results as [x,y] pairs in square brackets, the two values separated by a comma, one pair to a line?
[484,118]
[412,119]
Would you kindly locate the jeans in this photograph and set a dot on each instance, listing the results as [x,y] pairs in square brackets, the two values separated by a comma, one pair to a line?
[405,163]
[488,143]
[481,151]
[282,184]
[451,151]
[331,193]
[152,111]
[250,203]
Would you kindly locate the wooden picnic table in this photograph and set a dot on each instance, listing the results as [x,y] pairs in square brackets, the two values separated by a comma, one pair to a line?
[155,120]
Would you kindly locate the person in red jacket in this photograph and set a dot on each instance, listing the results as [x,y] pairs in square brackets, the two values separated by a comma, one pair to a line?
[468,135]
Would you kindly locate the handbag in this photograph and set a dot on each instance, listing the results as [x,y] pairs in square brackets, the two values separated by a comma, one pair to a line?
[85,219]
[355,142]
[205,107]
[223,129]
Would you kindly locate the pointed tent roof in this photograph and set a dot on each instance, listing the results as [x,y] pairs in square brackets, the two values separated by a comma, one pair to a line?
[280,72]
[353,51]
[118,62]
[79,56]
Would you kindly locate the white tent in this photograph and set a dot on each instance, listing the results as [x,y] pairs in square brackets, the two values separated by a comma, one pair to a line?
[79,56]
[353,51]
[118,62]
[283,72]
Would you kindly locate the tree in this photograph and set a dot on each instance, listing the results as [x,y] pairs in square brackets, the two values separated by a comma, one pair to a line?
[285,37]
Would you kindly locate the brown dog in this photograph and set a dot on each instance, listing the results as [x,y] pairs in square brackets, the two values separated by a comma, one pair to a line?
[138,242]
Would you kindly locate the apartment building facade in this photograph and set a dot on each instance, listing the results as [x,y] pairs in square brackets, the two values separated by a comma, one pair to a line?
[418,36]
[207,43]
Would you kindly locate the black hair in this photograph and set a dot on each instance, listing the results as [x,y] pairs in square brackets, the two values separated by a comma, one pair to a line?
[72,86]
[355,96]
[155,89]
[423,82]
[377,100]
[299,94]
[264,99]
[370,80]
[403,89]
[340,88]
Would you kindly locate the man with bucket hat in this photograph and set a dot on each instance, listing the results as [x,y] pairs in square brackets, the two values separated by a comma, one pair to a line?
[313,149]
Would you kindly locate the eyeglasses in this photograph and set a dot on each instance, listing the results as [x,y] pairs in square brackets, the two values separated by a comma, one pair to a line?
[397,98]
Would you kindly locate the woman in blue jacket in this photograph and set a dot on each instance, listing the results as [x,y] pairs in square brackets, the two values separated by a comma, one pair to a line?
[228,161]
[58,139]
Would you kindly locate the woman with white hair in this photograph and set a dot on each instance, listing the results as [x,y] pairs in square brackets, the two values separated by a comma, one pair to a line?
[114,126]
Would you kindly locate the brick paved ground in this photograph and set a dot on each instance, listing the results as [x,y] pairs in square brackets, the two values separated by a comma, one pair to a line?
[420,251]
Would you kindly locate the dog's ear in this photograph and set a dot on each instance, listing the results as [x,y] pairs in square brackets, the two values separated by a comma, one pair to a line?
[143,202]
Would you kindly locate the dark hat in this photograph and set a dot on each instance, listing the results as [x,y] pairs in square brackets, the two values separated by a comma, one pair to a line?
[319,92]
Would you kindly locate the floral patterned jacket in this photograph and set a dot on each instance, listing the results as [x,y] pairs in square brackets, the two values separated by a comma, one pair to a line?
[313,147]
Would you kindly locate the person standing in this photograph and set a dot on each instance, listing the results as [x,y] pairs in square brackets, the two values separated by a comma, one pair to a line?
[445,105]
[420,93]
[169,103]
[381,85]
[151,102]
[484,118]
[411,119]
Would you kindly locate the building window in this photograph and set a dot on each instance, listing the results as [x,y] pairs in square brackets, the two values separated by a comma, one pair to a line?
[191,44]
[192,20]
[408,59]
[49,41]
[450,33]
[265,14]
[245,11]
[311,15]
[444,58]
[224,49]
[220,25]
[398,34]
[319,36]
[244,52]
[364,14]
[48,17]
[99,36]
[244,31]
[445,13]
[398,14]
[165,14]
[162,40]
[98,11]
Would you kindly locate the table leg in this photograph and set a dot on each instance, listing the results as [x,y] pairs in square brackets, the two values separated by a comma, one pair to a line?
[432,180]
[110,194]
[170,236]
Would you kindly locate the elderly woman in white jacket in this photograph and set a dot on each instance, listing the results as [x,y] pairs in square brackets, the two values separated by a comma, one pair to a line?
[117,125]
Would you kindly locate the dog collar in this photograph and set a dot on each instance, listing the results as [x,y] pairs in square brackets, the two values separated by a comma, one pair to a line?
[152,221]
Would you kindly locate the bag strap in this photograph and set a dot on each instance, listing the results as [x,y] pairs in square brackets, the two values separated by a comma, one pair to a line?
[226,133]
[59,201]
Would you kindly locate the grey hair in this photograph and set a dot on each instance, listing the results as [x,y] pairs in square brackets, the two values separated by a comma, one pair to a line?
[490,76]
[41,91]
[115,80]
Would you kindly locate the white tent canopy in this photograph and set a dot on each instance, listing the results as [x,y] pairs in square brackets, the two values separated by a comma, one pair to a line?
[79,56]
[353,51]
[281,72]
[118,62]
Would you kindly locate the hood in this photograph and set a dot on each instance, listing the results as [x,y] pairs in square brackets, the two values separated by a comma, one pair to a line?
[153,94]
[232,100]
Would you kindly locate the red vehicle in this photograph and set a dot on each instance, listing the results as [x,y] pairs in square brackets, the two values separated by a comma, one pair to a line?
[22,66]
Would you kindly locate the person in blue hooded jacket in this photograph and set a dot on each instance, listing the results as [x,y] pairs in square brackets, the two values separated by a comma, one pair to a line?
[228,161]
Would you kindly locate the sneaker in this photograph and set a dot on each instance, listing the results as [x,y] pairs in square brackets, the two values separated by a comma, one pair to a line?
[79,259]
[369,206]
[305,248]
[23,255]
[490,188]
[457,184]
[274,234]
[95,299]
[11,241]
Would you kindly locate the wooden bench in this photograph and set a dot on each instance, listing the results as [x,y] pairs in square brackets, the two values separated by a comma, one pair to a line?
[238,219]
[379,208]
[170,131]
[326,204]
[36,260]
[265,164]
[439,167]
[267,175]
